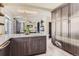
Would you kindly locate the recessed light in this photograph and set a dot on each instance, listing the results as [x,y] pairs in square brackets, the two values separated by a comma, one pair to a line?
[27,11]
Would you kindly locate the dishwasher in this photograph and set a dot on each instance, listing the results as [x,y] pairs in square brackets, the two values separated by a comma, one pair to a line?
[4,49]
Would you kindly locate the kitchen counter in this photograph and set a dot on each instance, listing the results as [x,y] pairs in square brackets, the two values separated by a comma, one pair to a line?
[22,45]
[4,38]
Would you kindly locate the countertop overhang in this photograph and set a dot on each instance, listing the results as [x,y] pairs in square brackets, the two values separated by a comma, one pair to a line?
[4,38]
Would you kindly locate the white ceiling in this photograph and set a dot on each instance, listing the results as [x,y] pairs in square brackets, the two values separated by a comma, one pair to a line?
[29,10]
[44,6]
[47,6]
[24,9]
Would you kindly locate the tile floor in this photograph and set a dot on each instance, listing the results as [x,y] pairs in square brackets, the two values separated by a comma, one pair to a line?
[54,51]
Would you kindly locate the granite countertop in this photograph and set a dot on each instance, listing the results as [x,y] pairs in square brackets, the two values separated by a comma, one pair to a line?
[4,38]
[74,42]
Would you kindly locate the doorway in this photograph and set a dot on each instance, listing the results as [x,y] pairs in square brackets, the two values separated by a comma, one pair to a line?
[50,30]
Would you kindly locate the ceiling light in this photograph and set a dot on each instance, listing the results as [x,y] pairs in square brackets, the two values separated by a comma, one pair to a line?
[27,11]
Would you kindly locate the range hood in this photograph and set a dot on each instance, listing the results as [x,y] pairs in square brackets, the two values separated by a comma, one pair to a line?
[1,5]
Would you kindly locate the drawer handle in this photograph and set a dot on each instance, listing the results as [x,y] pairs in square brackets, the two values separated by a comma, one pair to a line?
[4,45]
[58,44]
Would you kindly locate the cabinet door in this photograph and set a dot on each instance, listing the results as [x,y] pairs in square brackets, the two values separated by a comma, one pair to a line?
[19,47]
[74,20]
[33,46]
[65,21]
[37,45]
[75,28]
[53,25]
[58,22]
[53,29]
[65,28]
[42,45]
[74,10]
[5,50]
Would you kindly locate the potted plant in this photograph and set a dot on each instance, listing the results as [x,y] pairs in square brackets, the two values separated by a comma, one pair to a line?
[27,30]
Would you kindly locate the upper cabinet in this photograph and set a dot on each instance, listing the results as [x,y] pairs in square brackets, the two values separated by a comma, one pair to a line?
[58,22]
[65,21]
[65,12]
[61,17]
[58,14]
[53,16]
[75,28]
[53,24]
[74,20]
[74,8]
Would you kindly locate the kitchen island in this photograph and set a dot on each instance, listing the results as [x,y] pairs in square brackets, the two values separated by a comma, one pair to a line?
[23,45]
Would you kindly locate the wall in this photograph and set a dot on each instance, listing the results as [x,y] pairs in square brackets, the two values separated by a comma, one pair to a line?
[1,26]
[41,15]
[11,11]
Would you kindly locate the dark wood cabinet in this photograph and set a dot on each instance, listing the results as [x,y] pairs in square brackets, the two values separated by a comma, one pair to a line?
[28,46]
[72,49]
[4,49]
[37,45]
[19,46]
[69,16]
[4,52]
